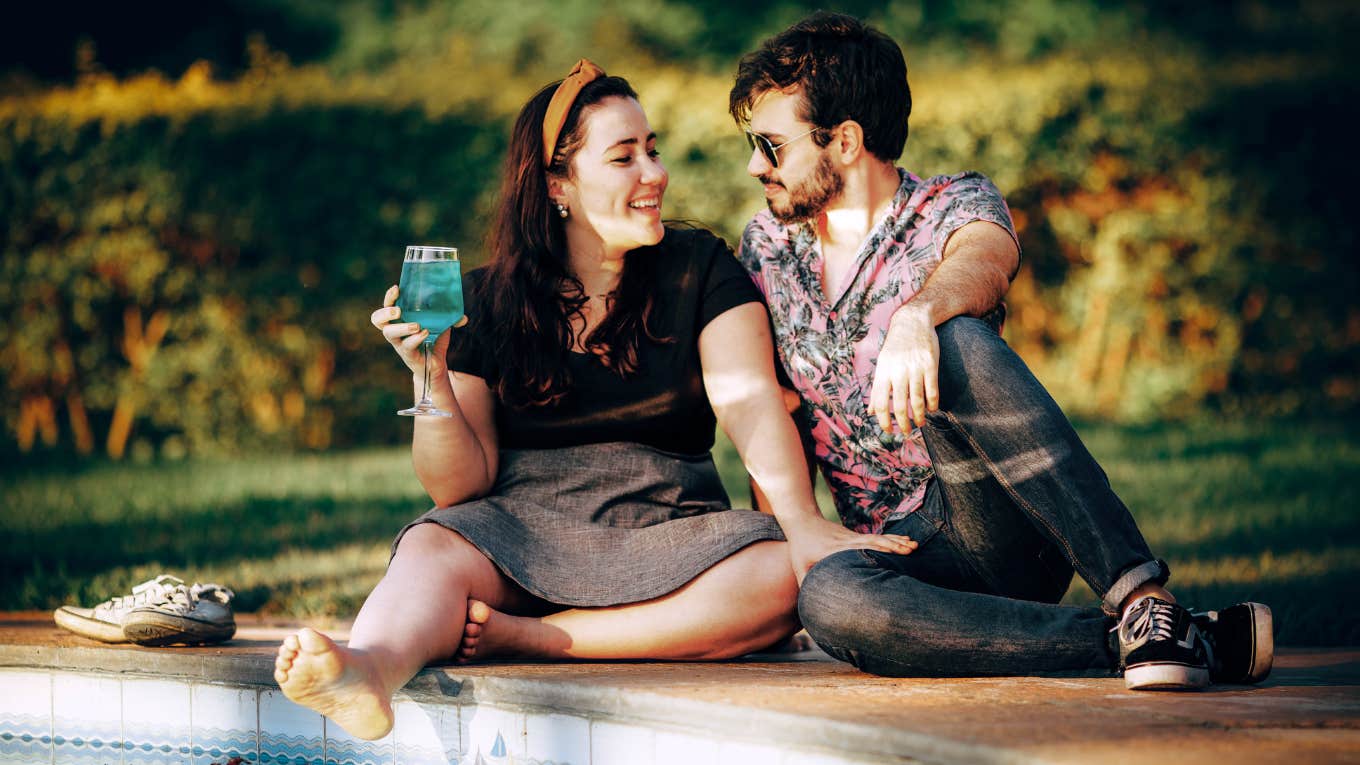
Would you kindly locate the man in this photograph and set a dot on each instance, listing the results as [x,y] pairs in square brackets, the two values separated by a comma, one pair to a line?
[885,291]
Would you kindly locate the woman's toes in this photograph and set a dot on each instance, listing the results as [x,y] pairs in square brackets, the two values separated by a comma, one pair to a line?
[478,612]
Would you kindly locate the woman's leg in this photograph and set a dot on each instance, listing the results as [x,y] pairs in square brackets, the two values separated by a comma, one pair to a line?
[414,616]
[746,602]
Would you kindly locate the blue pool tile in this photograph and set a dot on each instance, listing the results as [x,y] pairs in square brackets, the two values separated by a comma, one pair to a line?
[289,734]
[155,722]
[86,720]
[494,734]
[425,734]
[25,717]
[224,724]
[561,739]
[344,749]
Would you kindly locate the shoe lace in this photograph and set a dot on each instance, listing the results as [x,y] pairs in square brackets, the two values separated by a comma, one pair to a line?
[1149,619]
[183,600]
[150,592]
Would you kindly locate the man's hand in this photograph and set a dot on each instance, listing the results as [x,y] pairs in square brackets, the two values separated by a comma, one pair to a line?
[812,538]
[906,379]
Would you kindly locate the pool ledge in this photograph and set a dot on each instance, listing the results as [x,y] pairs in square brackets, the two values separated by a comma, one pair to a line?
[786,710]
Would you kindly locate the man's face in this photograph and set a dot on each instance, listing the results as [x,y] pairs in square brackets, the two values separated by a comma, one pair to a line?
[806,181]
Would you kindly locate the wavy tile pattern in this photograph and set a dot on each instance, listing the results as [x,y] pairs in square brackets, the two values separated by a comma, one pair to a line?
[155,722]
[226,723]
[426,734]
[290,734]
[87,720]
[25,717]
[104,719]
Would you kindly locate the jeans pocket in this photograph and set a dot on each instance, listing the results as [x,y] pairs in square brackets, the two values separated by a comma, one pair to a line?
[919,525]
[940,421]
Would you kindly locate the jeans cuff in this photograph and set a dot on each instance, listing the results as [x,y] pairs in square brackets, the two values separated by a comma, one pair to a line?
[1151,571]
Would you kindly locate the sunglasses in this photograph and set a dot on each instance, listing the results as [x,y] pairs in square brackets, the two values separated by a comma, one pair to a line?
[768,148]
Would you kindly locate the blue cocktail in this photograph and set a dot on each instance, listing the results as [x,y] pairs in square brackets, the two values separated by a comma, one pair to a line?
[431,295]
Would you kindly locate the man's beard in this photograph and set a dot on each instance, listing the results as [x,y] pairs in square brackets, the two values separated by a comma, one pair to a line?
[811,197]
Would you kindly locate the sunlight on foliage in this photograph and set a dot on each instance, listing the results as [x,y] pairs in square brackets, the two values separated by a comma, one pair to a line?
[188,260]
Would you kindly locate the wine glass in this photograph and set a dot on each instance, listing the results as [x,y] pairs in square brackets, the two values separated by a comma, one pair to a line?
[430,294]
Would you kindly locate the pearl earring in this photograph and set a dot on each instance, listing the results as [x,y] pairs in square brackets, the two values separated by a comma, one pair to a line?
[562,210]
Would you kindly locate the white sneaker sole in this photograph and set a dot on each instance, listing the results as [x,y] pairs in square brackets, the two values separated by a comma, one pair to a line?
[1263,642]
[82,622]
[1165,677]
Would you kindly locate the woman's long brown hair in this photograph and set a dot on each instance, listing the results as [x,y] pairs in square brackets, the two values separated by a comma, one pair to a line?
[530,292]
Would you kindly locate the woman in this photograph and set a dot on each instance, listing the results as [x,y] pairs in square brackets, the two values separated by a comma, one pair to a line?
[578,513]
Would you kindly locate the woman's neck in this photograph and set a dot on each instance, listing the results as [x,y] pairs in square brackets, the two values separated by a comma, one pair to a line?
[597,267]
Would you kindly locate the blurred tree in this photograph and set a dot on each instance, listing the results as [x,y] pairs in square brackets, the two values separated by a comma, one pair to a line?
[187,259]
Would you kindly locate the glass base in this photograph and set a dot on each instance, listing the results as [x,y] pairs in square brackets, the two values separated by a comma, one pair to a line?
[425,409]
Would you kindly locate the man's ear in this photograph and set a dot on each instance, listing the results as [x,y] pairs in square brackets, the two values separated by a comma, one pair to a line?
[847,142]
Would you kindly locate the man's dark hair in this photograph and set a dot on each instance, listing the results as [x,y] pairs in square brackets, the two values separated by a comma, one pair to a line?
[846,69]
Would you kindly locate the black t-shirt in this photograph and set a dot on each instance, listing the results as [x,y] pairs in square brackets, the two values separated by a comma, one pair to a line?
[663,404]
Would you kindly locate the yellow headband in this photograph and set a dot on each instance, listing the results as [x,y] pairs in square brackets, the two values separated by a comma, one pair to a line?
[581,75]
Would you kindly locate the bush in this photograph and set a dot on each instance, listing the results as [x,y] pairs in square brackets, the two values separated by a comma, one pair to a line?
[208,274]
[189,264]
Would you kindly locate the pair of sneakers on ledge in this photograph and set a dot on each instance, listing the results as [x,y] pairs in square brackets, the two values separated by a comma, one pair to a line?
[1163,646]
[161,611]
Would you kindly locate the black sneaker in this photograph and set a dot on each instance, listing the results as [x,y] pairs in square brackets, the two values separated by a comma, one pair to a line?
[1161,648]
[1243,641]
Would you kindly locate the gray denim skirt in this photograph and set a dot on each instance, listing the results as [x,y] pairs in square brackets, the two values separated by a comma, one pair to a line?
[603,524]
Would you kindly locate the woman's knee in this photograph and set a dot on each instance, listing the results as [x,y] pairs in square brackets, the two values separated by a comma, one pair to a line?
[764,570]
[432,544]
[759,590]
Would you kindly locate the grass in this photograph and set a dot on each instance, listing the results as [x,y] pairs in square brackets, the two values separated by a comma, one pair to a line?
[1241,510]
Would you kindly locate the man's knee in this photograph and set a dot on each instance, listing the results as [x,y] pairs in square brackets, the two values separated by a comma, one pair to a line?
[966,341]
[839,603]
[975,363]
[828,600]
[846,608]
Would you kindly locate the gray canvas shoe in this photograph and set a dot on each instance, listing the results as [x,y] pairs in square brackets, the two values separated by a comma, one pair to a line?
[104,622]
[192,616]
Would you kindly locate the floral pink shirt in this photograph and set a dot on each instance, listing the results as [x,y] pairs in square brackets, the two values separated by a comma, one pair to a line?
[829,347]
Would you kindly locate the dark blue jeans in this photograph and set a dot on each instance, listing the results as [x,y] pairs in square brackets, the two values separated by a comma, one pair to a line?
[1016,505]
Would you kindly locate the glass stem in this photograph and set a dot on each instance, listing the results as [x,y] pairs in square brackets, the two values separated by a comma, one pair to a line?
[425,391]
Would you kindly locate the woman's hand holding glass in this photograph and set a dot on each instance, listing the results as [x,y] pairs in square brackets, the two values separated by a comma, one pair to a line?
[407,337]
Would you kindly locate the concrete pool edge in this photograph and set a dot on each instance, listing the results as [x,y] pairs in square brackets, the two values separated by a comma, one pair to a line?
[787,710]
[514,688]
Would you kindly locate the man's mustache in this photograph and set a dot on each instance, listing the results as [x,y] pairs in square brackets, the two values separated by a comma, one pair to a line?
[767,180]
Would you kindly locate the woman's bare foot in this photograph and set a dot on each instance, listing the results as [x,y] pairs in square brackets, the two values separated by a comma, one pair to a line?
[335,681]
[490,634]
[796,643]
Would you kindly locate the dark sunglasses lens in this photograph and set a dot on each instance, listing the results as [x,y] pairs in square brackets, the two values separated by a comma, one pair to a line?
[757,140]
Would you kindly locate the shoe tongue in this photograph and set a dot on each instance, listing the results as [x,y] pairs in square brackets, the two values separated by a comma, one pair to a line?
[162,581]
[212,591]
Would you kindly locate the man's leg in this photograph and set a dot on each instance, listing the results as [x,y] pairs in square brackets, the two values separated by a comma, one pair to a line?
[1000,444]
[1004,451]
[930,614]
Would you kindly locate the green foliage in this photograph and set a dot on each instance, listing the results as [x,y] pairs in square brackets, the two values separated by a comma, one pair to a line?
[188,264]
[265,239]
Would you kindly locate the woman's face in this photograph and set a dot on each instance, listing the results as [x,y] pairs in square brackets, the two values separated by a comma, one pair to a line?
[616,179]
